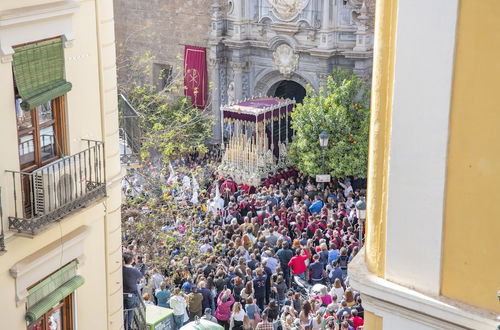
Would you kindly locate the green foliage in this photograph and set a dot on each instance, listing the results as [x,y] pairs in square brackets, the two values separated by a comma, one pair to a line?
[342,110]
[171,126]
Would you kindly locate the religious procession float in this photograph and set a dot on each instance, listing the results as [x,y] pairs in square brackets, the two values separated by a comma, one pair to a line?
[256,135]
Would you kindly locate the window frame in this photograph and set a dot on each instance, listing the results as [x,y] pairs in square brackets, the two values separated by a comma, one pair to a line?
[58,122]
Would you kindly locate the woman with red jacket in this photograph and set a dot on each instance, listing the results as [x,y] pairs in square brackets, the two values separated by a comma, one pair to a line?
[223,311]
[298,263]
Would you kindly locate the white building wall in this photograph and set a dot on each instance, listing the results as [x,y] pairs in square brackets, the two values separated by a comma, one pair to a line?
[422,89]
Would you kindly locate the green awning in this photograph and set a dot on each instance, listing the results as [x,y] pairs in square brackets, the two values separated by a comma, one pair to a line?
[47,303]
[39,72]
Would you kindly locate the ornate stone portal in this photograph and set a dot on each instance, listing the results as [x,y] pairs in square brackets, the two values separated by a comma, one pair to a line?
[256,44]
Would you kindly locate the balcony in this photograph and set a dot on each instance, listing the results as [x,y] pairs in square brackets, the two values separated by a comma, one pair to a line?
[51,192]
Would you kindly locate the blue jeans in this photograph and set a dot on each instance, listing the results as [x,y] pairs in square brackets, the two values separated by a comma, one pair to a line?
[130,301]
[178,321]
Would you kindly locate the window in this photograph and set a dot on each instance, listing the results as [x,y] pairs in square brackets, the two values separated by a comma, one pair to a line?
[50,301]
[41,133]
[162,75]
[60,317]
[40,86]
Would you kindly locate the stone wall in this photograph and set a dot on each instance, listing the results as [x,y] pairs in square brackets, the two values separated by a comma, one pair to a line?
[158,29]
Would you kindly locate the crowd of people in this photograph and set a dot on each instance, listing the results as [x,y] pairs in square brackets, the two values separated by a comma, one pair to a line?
[207,247]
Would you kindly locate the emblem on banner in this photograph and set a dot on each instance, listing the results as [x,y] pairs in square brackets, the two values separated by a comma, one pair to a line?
[193,78]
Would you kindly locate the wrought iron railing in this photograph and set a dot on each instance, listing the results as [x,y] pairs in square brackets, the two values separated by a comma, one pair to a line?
[51,192]
[138,316]
[130,132]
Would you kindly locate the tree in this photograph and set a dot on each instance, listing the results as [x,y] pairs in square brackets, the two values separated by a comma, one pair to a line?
[342,110]
[170,125]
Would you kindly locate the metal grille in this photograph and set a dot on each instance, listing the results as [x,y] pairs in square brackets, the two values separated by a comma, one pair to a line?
[51,192]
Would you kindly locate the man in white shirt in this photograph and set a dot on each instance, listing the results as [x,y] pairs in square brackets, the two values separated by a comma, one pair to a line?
[347,188]
[272,262]
[205,247]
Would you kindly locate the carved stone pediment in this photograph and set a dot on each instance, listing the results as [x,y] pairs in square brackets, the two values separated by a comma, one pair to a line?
[288,9]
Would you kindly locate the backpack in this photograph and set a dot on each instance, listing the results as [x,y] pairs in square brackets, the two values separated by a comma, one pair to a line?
[343,261]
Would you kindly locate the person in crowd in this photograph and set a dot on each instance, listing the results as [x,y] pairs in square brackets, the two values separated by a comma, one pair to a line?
[298,263]
[146,298]
[357,321]
[337,288]
[233,249]
[163,296]
[195,303]
[223,311]
[264,324]
[237,317]
[252,311]
[178,303]
[280,288]
[131,277]
[208,315]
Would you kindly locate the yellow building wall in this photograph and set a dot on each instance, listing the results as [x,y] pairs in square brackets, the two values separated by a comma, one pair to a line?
[90,297]
[91,108]
[381,113]
[373,322]
[471,253]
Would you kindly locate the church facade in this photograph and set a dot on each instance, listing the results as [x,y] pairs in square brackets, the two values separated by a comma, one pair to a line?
[277,47]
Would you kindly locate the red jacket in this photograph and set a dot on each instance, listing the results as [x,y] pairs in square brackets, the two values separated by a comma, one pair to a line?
[298,263]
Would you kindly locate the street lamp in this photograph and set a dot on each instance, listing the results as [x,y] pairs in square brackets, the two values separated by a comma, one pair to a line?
[323,143]
[361,212]
[323,139]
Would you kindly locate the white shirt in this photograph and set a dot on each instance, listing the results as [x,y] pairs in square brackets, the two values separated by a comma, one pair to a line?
[347,190]
[238,316]
[157,279]
[272,263]
[178,304]
[204,248]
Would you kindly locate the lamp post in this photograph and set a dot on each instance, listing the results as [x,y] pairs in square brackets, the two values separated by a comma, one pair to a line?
[323,143]
[361,212]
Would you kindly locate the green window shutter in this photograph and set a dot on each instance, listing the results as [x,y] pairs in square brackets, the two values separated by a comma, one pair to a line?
[39,72]
[47,303]
[51,283]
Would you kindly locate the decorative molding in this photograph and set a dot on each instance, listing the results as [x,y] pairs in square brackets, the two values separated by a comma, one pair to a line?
[270,77]
[47,260]
[286,60]
[27,24]
[280,39]
[383,297]
[287,10]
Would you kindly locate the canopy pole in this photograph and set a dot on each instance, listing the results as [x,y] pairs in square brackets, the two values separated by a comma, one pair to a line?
[286,116]
[222,130]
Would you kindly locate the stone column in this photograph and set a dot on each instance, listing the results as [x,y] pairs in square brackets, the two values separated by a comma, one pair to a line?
[238,25]
[215,60]
[326,39]
[215,92]
[109,127]
[217,22]
[362,36]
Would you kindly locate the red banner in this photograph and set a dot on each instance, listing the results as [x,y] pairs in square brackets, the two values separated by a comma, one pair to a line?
[195,75]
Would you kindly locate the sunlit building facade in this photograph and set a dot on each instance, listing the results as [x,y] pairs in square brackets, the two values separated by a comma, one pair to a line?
[60,264]
[431,254]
